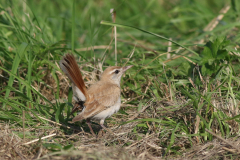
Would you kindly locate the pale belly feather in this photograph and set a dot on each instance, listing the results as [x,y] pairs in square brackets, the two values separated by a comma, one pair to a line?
[108,112]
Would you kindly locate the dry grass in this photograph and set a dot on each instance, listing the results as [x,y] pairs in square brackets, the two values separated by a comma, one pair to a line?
[215,149]
[131,140]
[126,144]
[108,146]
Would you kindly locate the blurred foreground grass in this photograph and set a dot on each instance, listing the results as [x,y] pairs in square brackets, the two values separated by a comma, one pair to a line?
[182,92]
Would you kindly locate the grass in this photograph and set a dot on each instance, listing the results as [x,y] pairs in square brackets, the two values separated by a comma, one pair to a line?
[180,100]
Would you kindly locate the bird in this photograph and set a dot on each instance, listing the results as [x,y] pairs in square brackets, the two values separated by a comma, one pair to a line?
[102,99]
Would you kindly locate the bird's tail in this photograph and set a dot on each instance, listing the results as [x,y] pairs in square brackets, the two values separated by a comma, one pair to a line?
[69,66]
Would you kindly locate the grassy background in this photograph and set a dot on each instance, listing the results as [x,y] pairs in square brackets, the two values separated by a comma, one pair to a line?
[173,98]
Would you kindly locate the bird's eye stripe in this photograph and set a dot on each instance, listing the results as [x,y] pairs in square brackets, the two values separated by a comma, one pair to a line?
[114,71]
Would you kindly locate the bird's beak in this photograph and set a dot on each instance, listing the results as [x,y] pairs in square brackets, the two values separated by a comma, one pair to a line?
[126,68]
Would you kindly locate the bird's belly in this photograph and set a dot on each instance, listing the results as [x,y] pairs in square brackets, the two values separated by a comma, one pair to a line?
[108,112]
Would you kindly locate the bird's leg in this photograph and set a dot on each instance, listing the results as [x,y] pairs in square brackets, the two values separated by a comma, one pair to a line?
[101,123]
[90,127]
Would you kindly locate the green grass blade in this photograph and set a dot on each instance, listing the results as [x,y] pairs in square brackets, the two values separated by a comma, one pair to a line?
[172,139]
[17,59]
[29,76]
[154,34]
[26,84]
[73,25]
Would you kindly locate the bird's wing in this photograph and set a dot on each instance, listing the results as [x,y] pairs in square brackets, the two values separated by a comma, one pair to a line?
[101,97]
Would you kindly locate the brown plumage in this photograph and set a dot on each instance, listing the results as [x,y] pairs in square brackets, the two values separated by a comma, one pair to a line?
[102,99]
[73,72]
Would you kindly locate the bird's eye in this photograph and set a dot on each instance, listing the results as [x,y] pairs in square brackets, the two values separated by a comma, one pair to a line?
[117,71]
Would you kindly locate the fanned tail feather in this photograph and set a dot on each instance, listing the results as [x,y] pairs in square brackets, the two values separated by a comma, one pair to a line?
[69,66]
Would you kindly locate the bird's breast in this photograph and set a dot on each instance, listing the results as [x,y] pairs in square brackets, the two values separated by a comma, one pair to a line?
[109,111]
